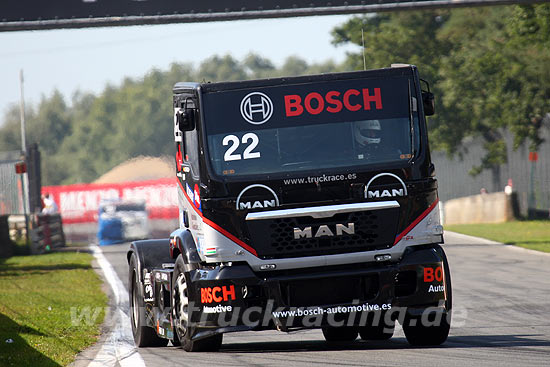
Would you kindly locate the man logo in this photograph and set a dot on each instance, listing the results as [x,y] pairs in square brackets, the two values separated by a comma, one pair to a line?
[375,194]
[324,231]
[256,108]
[244,204]
[385,193]
[257,204]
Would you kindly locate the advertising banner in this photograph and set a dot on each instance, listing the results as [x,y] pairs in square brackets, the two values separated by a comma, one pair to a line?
[79,203]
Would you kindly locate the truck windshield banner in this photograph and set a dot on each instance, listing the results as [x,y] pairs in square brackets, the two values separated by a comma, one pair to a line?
[308,126]
[306,104]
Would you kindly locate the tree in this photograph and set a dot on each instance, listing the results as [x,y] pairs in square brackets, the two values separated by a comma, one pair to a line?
[51,124]
[488,68]
[495,79]
[82,141]
[529,39]
[258,67]
[294,66]
[10,136]
[224,68]
[399,37]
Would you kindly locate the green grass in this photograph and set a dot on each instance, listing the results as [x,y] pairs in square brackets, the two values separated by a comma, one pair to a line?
[40,297]
[534,235]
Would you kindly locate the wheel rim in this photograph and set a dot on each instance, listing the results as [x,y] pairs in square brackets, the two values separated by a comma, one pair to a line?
[135,307]
[181,304]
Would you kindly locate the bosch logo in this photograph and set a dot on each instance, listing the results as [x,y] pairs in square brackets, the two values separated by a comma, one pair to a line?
[433,274]
[218,294]
[256,108]
[333,101]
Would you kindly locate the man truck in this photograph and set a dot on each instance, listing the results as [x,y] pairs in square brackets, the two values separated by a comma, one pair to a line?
[304,202]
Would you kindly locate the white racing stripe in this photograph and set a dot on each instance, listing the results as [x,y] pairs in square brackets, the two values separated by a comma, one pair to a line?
[119,348]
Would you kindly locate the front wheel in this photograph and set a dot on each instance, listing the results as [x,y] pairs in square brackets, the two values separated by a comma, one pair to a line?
[181,302]
[435,330]
[144,336]
[424,335]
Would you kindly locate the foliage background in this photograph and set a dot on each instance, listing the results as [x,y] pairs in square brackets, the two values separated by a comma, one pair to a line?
[488,67]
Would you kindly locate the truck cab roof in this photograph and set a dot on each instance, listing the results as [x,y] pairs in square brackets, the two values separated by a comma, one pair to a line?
[400,70]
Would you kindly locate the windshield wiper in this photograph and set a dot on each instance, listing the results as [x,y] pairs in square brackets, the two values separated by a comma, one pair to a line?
[296,163]
[412,107]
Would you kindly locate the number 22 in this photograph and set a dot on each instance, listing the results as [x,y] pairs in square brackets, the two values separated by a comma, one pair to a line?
[234,141]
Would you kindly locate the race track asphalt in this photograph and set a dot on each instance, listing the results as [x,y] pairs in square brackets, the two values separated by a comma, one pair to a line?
[501,302]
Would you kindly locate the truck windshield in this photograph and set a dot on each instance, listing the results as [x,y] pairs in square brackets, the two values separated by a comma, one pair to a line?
[308,127]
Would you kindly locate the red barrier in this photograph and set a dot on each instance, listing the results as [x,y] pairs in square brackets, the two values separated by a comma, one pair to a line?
[79,203]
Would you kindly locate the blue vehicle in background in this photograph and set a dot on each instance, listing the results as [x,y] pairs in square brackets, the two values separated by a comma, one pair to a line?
[121,221]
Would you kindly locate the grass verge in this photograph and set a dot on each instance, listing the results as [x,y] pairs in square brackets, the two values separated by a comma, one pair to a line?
[51,308]
[533,234]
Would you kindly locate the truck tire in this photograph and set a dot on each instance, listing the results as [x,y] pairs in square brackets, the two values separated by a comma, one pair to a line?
[180,315]
[340,334]
[422,335]
[449,303]
[144,336]
[378,332]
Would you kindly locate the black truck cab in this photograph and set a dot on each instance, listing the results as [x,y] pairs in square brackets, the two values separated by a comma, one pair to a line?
[305,202]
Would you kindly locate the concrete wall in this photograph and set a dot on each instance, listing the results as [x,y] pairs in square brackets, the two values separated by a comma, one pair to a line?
[497,207]
[530,179]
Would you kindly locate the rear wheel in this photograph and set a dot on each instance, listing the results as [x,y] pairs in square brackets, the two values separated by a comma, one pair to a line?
[144,336]
[181,317]
[340,334]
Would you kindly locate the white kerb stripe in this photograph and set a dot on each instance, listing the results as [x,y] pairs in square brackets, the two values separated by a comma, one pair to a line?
[119,348]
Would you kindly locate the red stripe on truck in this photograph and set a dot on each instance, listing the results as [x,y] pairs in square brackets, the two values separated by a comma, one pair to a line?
[416,221]
[217,227]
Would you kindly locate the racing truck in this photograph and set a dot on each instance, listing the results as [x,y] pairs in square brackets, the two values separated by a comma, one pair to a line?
[304,202]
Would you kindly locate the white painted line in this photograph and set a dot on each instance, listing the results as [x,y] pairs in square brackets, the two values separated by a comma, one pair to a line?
[119,348]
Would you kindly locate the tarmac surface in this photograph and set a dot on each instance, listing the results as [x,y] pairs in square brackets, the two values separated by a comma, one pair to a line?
[501,317]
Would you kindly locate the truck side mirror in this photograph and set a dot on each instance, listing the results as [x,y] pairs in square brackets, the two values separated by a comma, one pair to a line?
[428,100]
[186,119]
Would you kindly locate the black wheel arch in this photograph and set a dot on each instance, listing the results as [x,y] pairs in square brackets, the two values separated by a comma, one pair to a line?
[185,245]
[149,254]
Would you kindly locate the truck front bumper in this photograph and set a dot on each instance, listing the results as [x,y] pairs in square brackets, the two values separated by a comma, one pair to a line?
[234,298]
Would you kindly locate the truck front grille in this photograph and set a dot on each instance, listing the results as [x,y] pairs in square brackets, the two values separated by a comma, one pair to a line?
[372,230]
